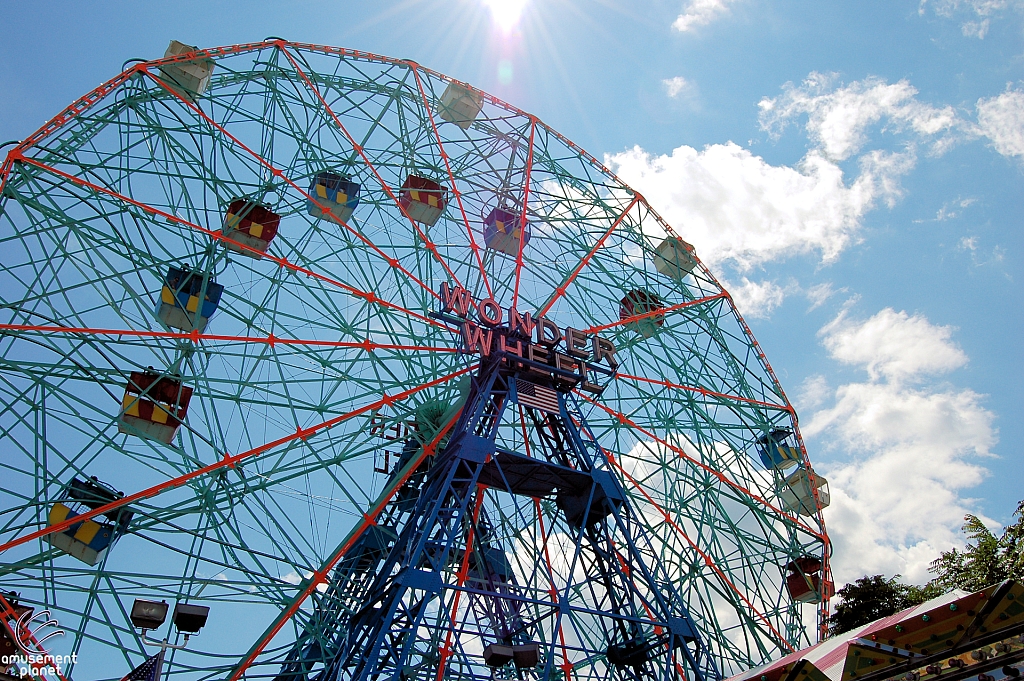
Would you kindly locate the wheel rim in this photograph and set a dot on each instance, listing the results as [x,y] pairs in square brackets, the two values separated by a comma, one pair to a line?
[330,334]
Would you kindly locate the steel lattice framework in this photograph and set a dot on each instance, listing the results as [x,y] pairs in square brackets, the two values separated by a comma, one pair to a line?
[325,359]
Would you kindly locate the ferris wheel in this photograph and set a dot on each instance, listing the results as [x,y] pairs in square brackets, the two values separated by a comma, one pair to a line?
[360,372]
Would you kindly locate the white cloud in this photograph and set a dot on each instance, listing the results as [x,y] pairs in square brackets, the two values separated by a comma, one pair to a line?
[838,117]
[912,445]
[982,10]
[733,205]
[675,85]
[952,209]
[819,294]
[881,171]
[756,299]
[893,345]
[975,29]
[700,13]
[970,244]
[813,392]
[1001,119]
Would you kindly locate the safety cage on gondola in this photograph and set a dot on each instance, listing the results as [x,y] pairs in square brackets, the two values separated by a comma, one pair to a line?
[804,492]
[87,540]
[777,452]
[675,258]
[333,197]
[460,106]
[641,307]
[505,232]
[250,223]
[805,582]
[522,655]
[153,406]
[423,199]
[188,299]
[187,78]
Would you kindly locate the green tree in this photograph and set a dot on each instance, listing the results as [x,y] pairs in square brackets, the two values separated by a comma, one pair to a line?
[986,559]
[870,598]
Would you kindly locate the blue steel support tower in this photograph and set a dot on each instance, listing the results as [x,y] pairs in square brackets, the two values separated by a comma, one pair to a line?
[431,591]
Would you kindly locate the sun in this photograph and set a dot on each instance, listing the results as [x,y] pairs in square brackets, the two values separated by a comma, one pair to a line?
[505,13]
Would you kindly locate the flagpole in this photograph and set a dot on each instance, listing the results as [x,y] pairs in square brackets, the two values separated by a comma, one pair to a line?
[164,646]
[160,661]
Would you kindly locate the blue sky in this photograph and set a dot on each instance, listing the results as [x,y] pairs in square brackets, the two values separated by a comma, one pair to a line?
[852,171]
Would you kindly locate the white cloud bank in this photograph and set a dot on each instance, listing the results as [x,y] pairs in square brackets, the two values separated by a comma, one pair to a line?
[740,210]
[700,13]
[1001,119]
[735,206]
[838,117]
[913,444]
[893,346]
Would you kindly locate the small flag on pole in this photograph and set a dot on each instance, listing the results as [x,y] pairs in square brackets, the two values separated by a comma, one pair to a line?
[148,670]
[536,396]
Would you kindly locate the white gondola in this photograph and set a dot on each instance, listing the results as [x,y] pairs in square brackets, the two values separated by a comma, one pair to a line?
[675,258]
[460,106]
[797,492]
[188,78]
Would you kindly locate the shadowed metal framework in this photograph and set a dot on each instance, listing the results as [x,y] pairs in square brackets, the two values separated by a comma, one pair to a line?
[216,302]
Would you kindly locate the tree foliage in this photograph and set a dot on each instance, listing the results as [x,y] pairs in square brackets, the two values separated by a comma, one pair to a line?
[986,559]
[870,598]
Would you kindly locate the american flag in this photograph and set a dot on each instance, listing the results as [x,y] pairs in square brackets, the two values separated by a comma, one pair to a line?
[146,671]
[536,396]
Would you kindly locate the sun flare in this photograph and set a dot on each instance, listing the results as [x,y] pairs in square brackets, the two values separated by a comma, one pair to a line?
[505,13]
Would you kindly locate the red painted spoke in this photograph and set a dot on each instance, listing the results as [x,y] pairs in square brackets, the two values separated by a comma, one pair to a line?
[392,262]
[229,461]
[281,262]
[322,576]
[451,177]
[625,420]
[430,246]
[656,312]
[522,213]
[560,291]
[5,171]
[195,336]
[705,392]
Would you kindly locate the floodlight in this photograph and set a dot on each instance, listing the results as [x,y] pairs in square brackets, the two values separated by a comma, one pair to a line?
[148,614]
[189,619]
